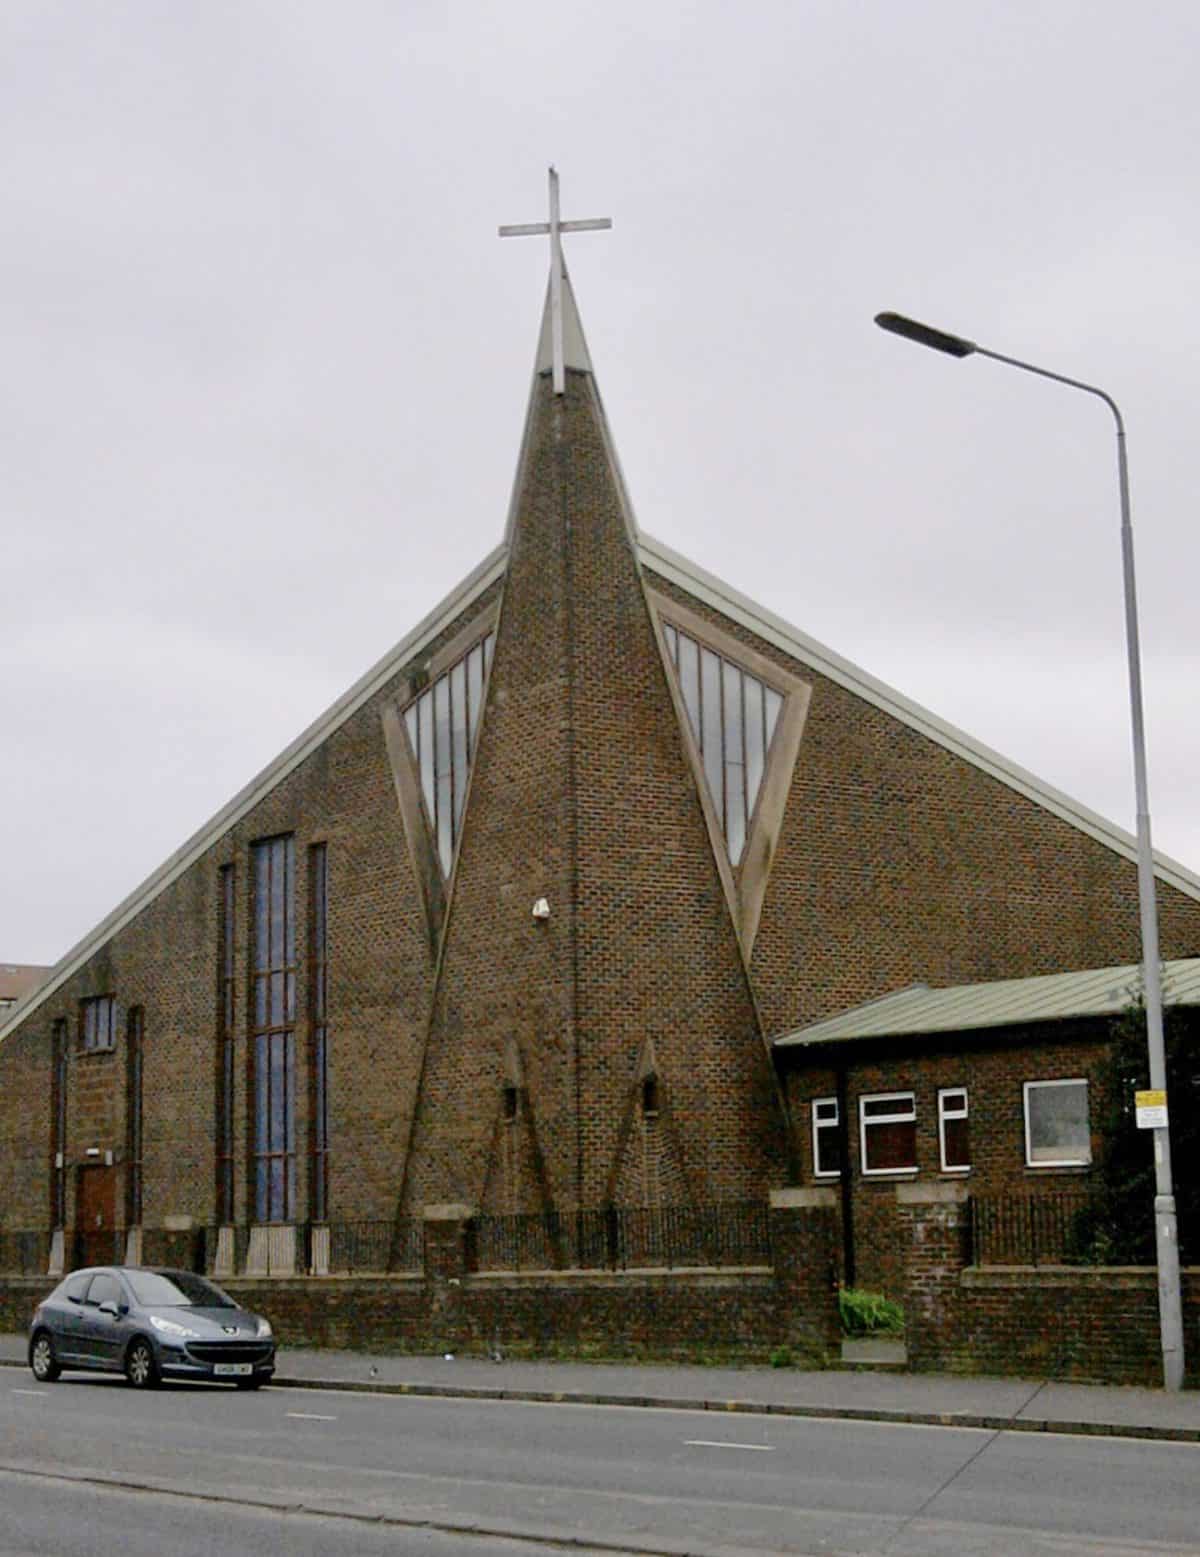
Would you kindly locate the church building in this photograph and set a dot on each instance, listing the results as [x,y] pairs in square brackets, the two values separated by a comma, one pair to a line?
[512,927]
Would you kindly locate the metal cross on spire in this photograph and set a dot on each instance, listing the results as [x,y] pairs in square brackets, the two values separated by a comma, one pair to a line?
[555,227]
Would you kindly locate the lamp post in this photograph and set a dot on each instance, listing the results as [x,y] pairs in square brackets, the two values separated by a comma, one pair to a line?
[1166,1241]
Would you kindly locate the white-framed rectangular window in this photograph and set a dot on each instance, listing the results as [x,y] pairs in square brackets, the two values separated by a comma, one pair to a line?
[887,1127]
[1057,1132]
[826,1145]
[954,1140]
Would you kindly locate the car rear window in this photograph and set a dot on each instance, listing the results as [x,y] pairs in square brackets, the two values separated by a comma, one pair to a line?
[155,1289]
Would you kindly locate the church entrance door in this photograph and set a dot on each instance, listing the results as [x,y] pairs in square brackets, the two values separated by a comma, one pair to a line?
[96,1217]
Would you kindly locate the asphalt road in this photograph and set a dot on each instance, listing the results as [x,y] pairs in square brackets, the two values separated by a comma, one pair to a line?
[88,1466]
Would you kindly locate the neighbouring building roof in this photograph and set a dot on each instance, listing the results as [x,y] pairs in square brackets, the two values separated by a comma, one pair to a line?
[18,979]
[1001,1003]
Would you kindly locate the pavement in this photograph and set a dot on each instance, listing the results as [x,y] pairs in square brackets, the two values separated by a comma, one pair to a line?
[931,1399]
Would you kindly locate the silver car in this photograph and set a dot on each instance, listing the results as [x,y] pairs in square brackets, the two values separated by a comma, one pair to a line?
[149,1325]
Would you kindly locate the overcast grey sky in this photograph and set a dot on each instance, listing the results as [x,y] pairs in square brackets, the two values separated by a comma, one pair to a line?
[265,363]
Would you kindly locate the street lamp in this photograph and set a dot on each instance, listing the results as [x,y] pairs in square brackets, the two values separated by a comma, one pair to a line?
[1166,1242]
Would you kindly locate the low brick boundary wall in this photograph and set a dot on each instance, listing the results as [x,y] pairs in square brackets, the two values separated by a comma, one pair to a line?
[726,1312]
[669,1314]
[1090,1324]
[747,1311]
[1087,1323]
[19,1296]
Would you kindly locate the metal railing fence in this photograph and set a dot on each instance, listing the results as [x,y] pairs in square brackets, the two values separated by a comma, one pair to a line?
[724,1233]
[1055,1227]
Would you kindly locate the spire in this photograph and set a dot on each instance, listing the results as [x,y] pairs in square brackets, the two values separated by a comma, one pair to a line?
[562,344]
[572,347]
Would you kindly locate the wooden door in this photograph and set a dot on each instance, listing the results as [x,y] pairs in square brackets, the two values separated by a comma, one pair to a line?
[96,1217]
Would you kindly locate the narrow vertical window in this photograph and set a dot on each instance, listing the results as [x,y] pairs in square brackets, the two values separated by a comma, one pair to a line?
[318,1005]
[442,725]
[273,1150]
[58,1128]
[826,1138]
[954,1129]
[733,717]
[134,1049]
[226,931]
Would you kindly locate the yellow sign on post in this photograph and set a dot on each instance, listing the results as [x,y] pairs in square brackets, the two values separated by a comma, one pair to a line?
[1151,1110]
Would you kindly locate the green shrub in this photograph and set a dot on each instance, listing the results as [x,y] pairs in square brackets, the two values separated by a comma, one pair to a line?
[869,1313]
[782,1357]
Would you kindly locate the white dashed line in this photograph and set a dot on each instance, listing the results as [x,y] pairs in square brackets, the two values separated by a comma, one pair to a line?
[715,1443]
[310,1416]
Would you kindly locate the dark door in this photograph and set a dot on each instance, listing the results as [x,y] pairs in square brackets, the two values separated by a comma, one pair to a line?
[96,1217]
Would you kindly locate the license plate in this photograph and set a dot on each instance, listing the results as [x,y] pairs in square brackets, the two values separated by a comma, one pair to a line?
[232,1370]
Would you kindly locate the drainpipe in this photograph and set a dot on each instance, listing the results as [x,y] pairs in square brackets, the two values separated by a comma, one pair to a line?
[847,1181]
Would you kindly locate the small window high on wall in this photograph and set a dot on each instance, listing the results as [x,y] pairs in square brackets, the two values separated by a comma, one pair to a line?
[888,1131]
[1057,1132]
[98,1024]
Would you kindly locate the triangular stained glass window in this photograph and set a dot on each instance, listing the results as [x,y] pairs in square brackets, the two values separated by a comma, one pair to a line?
[442,724]
[733,715]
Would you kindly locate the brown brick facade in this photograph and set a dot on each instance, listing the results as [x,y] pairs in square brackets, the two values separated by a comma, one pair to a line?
[897,859]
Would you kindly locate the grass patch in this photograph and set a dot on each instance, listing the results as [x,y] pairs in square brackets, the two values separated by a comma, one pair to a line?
[869,1313]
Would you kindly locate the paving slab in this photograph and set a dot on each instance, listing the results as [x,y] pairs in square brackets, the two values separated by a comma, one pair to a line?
[1022,1405]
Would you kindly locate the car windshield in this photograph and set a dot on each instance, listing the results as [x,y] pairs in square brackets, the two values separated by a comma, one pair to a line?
[180,1289]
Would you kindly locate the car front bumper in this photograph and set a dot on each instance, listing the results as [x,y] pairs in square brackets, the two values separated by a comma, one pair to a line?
[224,1364]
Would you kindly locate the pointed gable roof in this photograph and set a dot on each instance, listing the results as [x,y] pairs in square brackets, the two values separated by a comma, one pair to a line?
[659,559]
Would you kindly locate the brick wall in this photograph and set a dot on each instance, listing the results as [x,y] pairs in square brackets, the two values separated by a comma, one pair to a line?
[900,862]
[1090,1324]
[1094,1325]
[993,1068]
[747,1312]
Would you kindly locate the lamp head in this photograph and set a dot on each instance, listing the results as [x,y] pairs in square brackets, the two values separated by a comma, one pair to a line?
[925,335]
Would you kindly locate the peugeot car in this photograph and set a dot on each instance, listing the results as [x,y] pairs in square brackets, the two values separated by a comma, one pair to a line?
[149,1325]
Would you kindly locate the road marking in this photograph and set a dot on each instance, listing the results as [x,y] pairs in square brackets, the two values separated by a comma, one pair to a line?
[310,1416]
[29,1391]
[716,1443]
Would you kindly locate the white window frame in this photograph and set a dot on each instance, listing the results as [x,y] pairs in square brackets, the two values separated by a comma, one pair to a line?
[946,1112]
[1057,1162]
[905,1116]
[833,1124]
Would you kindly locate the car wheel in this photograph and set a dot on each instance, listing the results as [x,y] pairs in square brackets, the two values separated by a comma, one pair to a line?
[42,1359]
[250,1383]
[140,1367]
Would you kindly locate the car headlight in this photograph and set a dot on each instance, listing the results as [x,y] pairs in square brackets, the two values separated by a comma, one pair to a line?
[264,1330]
[170,1328]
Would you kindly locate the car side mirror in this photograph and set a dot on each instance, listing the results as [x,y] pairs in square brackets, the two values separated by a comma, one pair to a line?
[110,1308]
